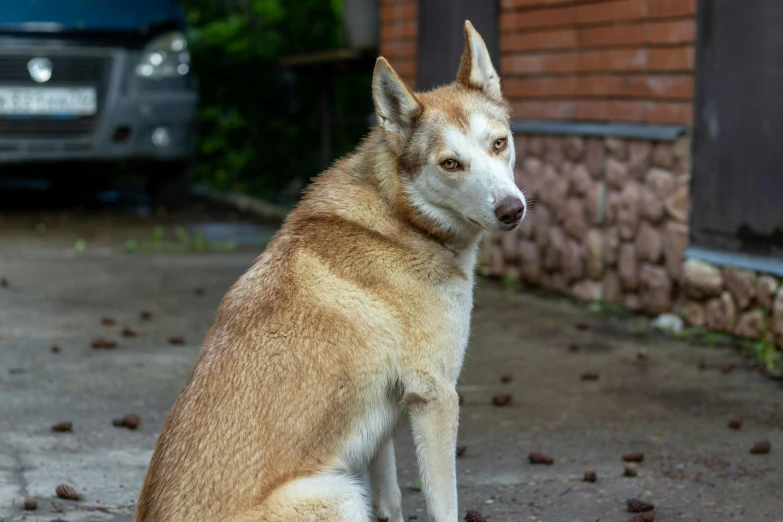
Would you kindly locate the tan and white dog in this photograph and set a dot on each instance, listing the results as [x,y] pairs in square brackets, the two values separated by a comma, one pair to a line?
[356,315]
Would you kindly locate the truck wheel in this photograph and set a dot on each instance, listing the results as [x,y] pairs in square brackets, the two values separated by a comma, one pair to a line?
[168,185]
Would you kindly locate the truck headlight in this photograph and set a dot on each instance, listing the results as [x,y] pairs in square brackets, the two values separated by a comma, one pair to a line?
[166,56]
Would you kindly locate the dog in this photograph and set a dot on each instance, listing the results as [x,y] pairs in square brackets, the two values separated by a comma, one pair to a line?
[355,316]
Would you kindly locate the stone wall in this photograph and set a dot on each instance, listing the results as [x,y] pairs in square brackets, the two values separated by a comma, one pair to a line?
[609,223]
[609,220]
[732,300]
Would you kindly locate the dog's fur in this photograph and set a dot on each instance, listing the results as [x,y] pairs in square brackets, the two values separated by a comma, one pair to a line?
[356,314]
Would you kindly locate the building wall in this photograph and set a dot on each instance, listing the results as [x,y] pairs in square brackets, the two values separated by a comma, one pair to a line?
[398,30]
[615,60]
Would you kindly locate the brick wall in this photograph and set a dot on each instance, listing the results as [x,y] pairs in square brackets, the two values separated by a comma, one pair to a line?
[599,60]
[398,36]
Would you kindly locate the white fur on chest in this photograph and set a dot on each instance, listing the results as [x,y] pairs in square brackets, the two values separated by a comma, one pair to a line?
[458,301]
[383,412]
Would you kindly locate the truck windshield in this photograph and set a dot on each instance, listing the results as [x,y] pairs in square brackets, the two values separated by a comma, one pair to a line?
[88,15]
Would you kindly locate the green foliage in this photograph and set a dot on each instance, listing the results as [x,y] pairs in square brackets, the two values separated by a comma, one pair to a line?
[186,242]
[769,355]
[258,124]
[510,284]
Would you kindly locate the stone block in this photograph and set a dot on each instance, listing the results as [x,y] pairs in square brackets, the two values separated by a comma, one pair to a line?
[675,242]
[530,262]
[587,290]
[649,244]
[574,147]
[650,206]
[701,280]
[663,155]
[721,313]
[594,157]
[628,211]
[594,254]
[765,293]
[617,148]
[627,266]
[639,153]
[751,325]
[742,284]
[661,182]
[575,222]
[655,289]
[613,291]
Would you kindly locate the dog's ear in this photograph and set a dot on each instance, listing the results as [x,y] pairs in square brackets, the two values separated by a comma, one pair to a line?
[395,105]
[475,69]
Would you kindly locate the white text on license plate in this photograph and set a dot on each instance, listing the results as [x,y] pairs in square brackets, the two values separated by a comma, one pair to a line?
[48,101]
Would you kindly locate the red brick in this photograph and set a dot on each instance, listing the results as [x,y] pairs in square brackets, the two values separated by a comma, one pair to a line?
[681,31]
[671,113]
[538,87]
[551,17]
[527,4]
[546,110]
[410,80]
[516,4]
[612,60]
[398,30]
[599,86]
[594,61]
[565,39]
[670,87]
[591,110]
[398,11]
[619,10]
[628,59]
[398,48]
[527,110]
[397,2]
[526,64]
[560,110]
[671,59]
[672,8]
[636,86]
[613,35]
[623,110]
[404,67]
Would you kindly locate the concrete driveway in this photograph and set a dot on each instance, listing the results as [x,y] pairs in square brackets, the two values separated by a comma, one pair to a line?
[659,402]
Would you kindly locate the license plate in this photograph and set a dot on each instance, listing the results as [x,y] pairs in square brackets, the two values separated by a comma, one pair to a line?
[48,101]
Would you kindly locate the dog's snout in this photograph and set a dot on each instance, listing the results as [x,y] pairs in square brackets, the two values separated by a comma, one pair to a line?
[510,210]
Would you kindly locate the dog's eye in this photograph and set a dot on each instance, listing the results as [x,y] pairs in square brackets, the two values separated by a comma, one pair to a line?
[450,164]
[500,144]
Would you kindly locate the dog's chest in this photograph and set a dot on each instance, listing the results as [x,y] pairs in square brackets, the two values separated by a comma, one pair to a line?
[457,299]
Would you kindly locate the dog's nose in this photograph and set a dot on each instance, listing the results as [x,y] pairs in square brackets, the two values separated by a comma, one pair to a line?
[509,211]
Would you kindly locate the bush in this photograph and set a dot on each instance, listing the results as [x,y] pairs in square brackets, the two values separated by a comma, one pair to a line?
[259,124]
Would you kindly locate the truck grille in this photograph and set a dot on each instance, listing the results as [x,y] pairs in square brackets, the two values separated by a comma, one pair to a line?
[67,71]
[41,127]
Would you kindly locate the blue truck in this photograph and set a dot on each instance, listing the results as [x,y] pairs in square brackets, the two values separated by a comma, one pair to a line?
[93,83]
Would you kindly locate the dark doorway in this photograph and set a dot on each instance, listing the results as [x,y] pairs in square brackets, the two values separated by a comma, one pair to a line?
[441,36]
[737,186]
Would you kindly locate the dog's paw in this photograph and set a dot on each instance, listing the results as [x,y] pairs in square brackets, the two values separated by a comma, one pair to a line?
[390,518]
[389,513]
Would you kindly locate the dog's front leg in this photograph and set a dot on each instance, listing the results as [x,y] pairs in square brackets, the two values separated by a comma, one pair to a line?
[434,412]
[386,496]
